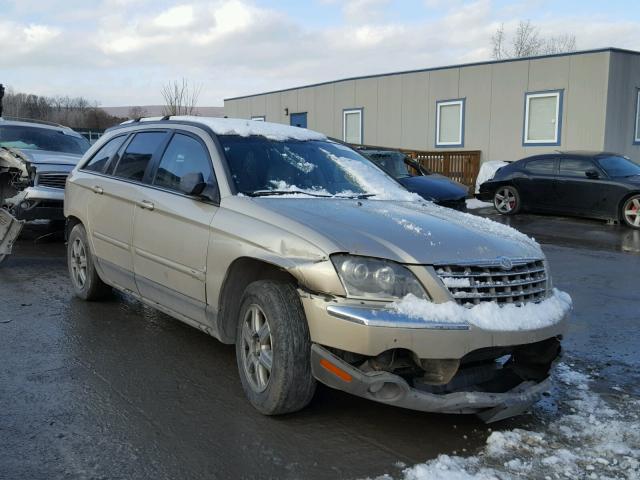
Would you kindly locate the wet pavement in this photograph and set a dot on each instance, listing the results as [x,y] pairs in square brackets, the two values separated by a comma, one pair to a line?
[117,390]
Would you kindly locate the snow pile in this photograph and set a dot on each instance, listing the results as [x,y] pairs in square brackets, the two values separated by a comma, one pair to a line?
[587,439]
[474,204]
[246,128]
[489,315]
[487,172]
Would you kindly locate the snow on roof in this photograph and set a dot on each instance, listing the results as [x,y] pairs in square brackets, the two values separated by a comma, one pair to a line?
[246,128]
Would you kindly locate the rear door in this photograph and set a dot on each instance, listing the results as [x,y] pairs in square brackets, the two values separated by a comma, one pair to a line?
[118,169]
[171,229]
[536,184]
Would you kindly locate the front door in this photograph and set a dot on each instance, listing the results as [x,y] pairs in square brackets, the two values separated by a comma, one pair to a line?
[298,120]
[171,230]
[579,194]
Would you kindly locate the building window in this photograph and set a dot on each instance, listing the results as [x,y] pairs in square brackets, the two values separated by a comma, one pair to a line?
[636,138]
[260,118]
[450,123]
[352,126]
[542,118]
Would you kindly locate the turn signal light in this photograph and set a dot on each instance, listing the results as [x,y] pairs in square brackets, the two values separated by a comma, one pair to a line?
[338,372]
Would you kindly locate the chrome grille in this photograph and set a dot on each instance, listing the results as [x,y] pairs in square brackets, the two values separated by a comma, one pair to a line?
[52,180]
[471,285]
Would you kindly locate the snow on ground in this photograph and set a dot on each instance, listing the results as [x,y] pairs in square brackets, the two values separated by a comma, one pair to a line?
[474,204]
[587,439]
[489,315]
[487,171]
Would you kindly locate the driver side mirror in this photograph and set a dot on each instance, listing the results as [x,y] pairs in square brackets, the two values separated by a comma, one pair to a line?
[193,184]
[592,174]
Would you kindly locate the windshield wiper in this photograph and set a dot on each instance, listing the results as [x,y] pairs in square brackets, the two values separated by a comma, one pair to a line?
[267,193]
[359,196]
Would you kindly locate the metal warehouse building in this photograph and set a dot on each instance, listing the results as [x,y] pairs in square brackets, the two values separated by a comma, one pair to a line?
[507,109]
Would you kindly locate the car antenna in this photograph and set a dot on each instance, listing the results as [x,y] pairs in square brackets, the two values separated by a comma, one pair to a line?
[166,117]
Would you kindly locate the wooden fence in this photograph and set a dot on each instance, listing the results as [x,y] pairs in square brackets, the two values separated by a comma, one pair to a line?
[460,165]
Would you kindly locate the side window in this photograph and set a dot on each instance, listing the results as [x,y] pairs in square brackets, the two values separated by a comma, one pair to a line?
[99,161]
[138,154]
[184,156]
[544,166]
[575,167]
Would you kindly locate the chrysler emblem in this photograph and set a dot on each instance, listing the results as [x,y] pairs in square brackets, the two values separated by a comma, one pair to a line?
[505,263]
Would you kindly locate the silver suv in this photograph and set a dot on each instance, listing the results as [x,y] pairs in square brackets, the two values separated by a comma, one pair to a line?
[316,265]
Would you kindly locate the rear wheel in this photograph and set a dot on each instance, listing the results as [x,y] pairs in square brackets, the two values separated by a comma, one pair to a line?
[273,348]
[507,200]
[84,277]
[631,212]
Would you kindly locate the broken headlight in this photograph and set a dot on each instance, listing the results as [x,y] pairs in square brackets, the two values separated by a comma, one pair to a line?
[373,278]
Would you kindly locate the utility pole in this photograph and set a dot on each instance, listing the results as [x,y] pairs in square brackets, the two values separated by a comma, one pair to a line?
[1,97]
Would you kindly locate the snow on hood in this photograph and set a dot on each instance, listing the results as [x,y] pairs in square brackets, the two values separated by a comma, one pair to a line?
[51,158]
[406,232]
[489,315]
[246,128]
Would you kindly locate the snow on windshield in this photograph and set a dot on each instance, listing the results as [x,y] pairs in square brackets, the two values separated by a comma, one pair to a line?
[580,435]
[372,180]
[489,315]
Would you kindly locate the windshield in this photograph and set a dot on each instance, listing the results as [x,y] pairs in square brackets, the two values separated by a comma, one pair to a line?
[619,166]
[35,138]
[260,166]
[390,162]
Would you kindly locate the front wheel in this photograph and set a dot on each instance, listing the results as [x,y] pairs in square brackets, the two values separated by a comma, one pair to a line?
[82,270]
[631,212]
[507,200]
[273,348]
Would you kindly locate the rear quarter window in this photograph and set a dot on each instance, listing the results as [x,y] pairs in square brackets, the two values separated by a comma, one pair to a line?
[101,158]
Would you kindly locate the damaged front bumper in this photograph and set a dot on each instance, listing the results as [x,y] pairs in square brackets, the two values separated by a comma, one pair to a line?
[10,229]
[391,389]
[39,203]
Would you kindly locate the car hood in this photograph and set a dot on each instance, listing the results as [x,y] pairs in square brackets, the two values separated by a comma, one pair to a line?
[434,186]
[44,157]
[407,232]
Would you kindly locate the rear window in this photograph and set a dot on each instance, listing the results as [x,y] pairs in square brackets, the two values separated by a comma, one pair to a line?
[545,166]
[99,161]
[138,154]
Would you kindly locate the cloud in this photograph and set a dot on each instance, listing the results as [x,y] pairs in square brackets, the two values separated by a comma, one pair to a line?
[123,51]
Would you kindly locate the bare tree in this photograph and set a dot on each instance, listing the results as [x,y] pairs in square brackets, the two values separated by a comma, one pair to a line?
[181,97]
[527,42]
[137,112]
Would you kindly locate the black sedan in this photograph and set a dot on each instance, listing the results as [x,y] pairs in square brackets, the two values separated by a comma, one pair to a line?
[587,184]
[417,179]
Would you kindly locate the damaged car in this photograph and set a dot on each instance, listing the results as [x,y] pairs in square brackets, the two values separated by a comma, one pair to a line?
[35,160]
[317,265]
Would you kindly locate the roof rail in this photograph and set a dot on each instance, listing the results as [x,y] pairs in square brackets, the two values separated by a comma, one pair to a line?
[33,120]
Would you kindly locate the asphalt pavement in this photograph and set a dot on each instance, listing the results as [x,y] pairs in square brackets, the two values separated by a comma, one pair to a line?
[116,390]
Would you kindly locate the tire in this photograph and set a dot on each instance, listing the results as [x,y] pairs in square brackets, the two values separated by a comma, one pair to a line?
[87,285]
[506,200]
[631,212]
[285,345]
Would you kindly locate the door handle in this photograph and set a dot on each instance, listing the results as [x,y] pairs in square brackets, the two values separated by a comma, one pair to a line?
[97,189]
[146,204]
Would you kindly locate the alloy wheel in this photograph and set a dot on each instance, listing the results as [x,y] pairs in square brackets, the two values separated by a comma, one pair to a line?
[257,353]
[505,200]
[632,212]
[79,263]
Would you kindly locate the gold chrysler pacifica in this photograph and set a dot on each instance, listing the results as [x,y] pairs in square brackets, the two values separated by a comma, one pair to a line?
[316,264]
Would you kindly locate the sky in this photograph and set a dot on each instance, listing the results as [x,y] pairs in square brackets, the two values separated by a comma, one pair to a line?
[122,52]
